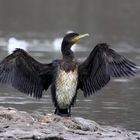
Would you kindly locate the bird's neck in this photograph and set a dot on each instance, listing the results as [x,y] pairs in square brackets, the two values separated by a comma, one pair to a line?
[67,53]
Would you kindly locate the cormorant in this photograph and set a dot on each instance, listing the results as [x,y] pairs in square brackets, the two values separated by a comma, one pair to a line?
[66,76]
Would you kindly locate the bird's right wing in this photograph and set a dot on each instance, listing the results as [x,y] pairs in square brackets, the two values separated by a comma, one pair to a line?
[102,64]
[25,73]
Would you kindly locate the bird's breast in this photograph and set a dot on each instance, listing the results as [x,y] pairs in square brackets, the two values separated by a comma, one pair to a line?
[66,84]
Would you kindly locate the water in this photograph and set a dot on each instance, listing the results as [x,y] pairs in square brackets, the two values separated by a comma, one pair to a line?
[41,23]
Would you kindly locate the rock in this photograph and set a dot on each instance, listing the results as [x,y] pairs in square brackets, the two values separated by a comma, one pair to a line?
[16,125]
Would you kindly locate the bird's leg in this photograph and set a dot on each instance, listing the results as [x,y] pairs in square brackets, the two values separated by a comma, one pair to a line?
[55,112]
[63,112]
[69,113]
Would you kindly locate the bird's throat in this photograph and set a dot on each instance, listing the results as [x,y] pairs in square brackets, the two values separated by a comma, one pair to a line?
[67,53]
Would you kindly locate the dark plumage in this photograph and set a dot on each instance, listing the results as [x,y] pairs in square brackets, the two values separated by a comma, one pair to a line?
[65,76]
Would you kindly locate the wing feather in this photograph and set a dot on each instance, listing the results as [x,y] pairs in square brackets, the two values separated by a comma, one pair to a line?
[100,66]
[25,73]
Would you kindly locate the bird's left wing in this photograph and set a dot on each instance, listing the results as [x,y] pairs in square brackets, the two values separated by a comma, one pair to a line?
[25,73]
[102,64]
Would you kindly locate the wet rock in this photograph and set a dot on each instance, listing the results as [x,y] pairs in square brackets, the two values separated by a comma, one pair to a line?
[21,125]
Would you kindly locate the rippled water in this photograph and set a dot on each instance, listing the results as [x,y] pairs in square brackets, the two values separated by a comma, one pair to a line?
[43,23]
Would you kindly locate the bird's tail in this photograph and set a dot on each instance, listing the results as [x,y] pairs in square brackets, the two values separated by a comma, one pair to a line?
[62,112]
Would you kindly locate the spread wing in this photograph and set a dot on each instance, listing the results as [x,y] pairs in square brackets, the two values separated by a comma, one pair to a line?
[25,74]
[102,64]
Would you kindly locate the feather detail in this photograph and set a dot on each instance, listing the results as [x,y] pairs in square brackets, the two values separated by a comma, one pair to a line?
[100,66]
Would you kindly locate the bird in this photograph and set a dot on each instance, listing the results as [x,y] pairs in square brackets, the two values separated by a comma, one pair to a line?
[14,43]
[65,76]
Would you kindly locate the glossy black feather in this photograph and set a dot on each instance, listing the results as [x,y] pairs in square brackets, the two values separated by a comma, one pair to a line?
[102,64]
[25,73]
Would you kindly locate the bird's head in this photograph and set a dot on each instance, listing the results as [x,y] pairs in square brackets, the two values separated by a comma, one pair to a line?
[68,41]
[72,38]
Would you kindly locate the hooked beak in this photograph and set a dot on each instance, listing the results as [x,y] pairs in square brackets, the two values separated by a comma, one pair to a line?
[76,38]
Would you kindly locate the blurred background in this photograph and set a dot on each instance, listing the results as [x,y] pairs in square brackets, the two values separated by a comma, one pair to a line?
[39,25]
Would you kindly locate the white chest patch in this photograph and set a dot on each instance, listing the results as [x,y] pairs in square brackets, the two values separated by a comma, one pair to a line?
[66,84]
